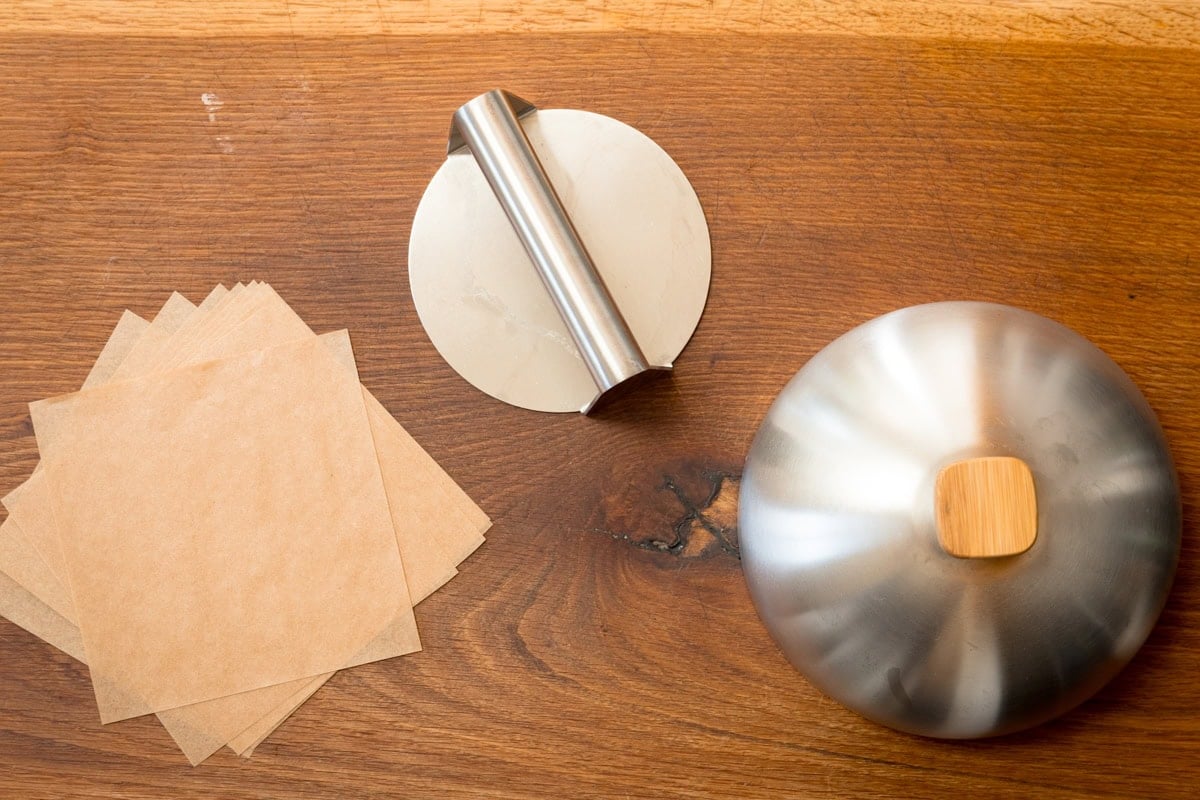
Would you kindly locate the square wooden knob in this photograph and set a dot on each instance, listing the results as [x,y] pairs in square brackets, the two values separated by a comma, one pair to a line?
[986,507]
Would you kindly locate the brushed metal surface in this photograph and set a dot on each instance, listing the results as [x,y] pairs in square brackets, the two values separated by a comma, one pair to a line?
[481,300]
[488,127]
[839,539]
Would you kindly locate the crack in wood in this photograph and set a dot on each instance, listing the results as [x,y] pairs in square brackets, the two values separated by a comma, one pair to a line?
[707,527]
[710,526]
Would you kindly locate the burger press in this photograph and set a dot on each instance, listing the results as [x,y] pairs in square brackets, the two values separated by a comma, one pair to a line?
[556,254]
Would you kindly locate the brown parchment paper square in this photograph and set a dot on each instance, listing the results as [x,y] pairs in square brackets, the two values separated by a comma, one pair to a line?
[250,488]
[437,525]
[428,497]
[199,729]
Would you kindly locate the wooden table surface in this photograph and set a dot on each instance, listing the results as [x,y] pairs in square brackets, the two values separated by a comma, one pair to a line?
[602,643]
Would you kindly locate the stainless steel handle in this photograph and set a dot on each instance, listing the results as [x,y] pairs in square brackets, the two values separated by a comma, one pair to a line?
[489,127]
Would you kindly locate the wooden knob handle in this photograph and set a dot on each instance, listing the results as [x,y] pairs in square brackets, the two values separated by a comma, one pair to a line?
[986,507]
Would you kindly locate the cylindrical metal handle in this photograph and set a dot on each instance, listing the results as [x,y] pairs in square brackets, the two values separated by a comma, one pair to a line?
[489,127]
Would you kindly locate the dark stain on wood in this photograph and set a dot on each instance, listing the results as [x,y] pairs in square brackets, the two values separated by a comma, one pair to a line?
[709,526]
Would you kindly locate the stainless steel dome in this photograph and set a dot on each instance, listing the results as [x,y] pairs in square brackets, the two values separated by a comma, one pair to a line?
[840,537]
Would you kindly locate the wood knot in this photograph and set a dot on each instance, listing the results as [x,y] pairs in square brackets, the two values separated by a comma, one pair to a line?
[708,526]
[646,514]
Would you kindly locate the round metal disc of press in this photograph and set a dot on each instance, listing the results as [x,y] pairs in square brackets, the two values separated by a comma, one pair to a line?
[937,421]
[481,300]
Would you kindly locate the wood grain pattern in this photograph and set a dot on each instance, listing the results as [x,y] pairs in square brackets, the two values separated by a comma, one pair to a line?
[986,507]
[1161,24]
[602,643]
